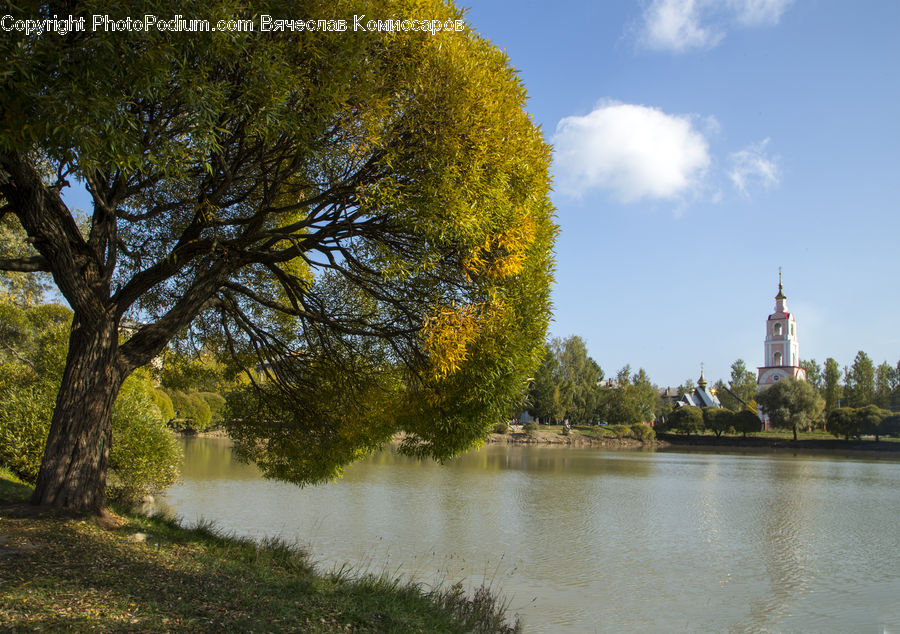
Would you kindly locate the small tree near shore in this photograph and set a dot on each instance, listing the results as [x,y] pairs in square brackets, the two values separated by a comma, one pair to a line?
[792,404]
[687,420]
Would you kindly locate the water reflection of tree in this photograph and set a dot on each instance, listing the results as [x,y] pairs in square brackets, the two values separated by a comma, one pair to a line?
[212,459]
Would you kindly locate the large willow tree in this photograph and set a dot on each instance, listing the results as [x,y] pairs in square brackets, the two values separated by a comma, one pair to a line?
[359,218]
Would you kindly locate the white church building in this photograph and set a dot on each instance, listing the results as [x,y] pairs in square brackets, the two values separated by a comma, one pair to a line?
[782,352]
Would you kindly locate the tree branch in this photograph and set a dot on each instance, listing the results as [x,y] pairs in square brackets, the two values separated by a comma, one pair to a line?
[33,264]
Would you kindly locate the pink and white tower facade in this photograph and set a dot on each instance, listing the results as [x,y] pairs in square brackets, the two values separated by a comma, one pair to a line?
[782,352]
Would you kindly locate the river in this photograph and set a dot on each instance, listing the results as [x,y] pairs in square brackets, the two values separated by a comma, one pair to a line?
[589,540]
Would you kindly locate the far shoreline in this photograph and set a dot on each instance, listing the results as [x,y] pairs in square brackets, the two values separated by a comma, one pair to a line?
[667,442]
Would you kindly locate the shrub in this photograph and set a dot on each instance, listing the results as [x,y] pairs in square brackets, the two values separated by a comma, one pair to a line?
[746,422]
[144,457]
[216,404]
[687,419]
[843,421]
[500,428]
[530,428]
[718,420]
[192,412]
[619,431]
[164,403]
[25,414]
[890,426]
[643,432]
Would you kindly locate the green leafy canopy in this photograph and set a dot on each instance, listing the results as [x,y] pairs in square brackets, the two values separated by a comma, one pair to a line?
[360,221]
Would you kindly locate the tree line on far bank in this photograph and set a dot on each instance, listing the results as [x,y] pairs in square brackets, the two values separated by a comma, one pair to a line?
[860,399]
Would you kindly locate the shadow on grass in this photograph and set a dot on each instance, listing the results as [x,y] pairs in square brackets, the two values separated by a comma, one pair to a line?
[12,489]
[148,574]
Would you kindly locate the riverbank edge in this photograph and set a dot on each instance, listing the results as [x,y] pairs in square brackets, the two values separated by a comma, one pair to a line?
[668,441]
[126,572]
[825,445]
[574,439]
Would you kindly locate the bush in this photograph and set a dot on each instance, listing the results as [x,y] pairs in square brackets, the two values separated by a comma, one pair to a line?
[619,431]
[718,420]
[687,419]
[843,421]
[144,457]
[643,432]
[530,428]
[164,403]
[192,412]
[500,428]
[746,422]
[890,426]
[25,414]
[216,406]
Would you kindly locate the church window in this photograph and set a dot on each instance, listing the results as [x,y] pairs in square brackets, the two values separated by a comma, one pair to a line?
[777,329]
[777,358]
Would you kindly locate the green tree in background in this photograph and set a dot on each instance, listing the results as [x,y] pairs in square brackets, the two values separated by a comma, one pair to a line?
[814,374]
[746,422]
[545,396]
[565,384]
[743,381]
[832,390]
[631,398]
[718,420]
[887,378]
[364,216]
[23,288]
[843,421]
[870,419]
[792,404]
[859,381]
[579,375]
[687,420]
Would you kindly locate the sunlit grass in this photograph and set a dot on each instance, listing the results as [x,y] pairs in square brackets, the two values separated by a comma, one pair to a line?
[132,573]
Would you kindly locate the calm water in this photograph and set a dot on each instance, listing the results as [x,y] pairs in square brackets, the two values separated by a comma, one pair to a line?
[587,540]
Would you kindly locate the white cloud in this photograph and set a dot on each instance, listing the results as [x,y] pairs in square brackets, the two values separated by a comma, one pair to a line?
[681,25]
[751,167]
[759,12]
[633,151]
[674,25]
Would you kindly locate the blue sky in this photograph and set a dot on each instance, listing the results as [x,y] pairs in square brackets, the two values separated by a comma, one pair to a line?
[700,145]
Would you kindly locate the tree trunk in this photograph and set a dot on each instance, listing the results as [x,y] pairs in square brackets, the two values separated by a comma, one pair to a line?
[73,470]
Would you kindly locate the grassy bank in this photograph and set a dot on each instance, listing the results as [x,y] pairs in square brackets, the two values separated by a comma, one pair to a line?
[781,439]
[130,573]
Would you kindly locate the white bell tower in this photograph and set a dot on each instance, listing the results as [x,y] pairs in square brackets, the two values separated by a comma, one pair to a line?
[782,352]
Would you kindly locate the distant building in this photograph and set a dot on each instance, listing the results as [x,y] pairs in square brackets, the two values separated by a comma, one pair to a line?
[669,395]
[782,352]
[701,397]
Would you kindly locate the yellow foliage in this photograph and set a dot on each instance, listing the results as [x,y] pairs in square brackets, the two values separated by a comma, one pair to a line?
[448,334]
[451,332]
[503,254]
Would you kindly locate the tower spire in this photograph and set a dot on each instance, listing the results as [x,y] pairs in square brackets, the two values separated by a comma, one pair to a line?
[781,294]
